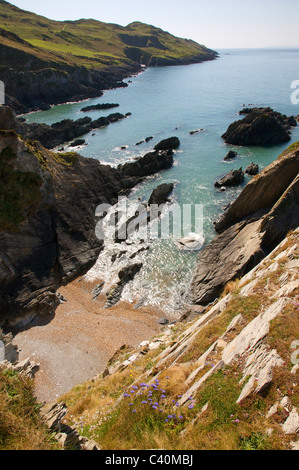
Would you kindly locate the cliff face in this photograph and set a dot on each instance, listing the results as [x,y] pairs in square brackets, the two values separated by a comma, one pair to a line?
[47,222]
[38,89]
[254,224]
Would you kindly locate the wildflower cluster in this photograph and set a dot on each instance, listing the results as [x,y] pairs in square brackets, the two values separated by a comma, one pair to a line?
[155,398]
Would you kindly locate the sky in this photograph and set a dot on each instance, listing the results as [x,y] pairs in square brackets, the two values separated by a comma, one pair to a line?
[214,23]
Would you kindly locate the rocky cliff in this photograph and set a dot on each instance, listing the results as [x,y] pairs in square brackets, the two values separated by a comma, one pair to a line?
[47,216]
[253,225]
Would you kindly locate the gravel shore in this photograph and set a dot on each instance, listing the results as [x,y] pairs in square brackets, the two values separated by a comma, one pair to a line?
[76,343]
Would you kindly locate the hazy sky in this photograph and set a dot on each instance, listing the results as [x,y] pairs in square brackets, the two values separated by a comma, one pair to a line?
[215,23]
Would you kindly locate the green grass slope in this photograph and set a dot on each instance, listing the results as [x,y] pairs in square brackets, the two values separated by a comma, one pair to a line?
[89,43]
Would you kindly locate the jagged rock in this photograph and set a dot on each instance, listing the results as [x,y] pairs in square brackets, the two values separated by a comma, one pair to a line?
[67,436]
[252,169]
[53,415]
[233,178]
[260,126]
[26,367]
[160,194]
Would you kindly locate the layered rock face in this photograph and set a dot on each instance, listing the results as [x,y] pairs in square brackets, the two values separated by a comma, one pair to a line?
[47,217]
[254,224]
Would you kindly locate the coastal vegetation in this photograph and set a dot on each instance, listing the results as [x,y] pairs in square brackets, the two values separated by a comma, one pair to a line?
[89,43]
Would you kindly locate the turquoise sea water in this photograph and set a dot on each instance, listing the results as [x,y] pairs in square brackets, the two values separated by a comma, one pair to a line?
[171,101]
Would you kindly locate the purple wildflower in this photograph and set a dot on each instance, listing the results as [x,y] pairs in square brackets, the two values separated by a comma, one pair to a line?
[144,402]
[191,407]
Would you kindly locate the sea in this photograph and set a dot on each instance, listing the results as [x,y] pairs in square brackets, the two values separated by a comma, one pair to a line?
[174,101]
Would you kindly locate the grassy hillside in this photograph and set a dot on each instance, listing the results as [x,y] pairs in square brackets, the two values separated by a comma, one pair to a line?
[91,43]
[21,427]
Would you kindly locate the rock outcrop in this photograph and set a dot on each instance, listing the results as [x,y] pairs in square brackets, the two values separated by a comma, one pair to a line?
[151,163]
[63,131]
[260,126]
[233,178]
[252,169]
[160,195]
[168,144]
[261,216]
[53,416]
[100,106]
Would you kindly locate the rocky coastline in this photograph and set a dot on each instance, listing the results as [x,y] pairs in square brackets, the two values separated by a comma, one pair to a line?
[52,199]
[28,91]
